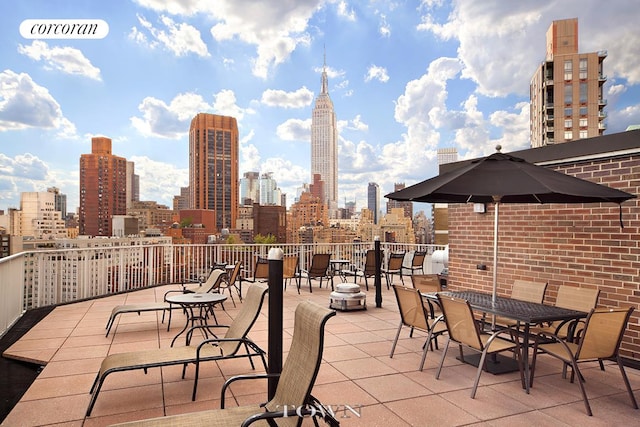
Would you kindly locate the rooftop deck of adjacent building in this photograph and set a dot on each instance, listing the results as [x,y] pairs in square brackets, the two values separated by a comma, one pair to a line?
[356,371]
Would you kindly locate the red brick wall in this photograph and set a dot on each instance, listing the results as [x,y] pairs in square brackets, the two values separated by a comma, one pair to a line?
[579,245]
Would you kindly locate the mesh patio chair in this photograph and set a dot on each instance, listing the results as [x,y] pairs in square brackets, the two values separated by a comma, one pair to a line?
[394,266]
[464,330]
[599,340]
[290,269]
[524,291]
[214,349]
[233,282]
[574,298]
[369,269]
[417,262]
[414,315]
[428,284]
[293,392]
[319,269]
[210,285]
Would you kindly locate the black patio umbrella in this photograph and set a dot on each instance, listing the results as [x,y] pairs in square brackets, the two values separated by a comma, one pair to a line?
[501,178]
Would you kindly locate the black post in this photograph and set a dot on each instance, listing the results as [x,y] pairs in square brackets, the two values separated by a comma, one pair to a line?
[275,318]
[378,278]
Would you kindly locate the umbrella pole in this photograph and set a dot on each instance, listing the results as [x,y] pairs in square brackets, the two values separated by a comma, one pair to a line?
[495,253]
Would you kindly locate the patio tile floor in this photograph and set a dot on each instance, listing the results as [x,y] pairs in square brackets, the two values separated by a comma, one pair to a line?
[356,371]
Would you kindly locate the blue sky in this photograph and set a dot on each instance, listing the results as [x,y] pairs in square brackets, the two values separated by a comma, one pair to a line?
[405,77]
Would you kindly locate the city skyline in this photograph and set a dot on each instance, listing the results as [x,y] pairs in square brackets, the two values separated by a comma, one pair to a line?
[405,81]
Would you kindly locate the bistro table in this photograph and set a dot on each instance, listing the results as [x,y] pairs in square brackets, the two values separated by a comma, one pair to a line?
[196,306]
[524,312]
[336,267]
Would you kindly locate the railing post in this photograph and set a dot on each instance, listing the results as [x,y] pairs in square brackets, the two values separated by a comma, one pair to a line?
[276,256]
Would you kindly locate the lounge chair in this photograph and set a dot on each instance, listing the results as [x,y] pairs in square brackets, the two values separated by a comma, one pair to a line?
[233,282]
[394,266]
[417,261]
[292,396]
[210,285]
[290,269]
[216,349]
[369,269]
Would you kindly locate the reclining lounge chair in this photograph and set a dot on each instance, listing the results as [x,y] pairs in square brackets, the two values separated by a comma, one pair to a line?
[211,284]
[293,393]
[216,349]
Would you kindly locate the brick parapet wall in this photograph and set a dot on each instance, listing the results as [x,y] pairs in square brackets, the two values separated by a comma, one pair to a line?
[561,244]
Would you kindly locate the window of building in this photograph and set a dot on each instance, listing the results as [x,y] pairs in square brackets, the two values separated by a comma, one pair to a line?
[568,94]
[568,112]
[583,123]
[568,123]
[583,111]
[568,70]
[584,134]
[568,135]
[583,93]
[583,68]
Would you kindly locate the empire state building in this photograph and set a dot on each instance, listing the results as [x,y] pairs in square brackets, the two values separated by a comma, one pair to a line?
[324,145]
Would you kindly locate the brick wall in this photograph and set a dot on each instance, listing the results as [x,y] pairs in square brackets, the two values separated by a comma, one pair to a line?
[561,244]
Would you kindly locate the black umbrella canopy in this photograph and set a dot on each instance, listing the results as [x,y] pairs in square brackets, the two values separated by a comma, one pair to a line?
[507,179]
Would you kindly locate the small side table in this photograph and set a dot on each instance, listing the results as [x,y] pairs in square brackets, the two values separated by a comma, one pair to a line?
[196,306]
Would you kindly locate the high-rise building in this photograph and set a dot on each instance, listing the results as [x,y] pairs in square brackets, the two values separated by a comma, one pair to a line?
[60,201]
[407,207]
[324,145]
[39,218]
[250,188]
[133,185]
[447,155]
[270,194]
[567,100]
[213,167]
[103,188]
[373,200]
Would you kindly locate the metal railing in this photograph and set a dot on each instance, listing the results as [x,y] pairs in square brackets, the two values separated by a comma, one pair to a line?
[43,278]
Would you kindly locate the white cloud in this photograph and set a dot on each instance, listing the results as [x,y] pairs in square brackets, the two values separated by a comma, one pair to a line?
[159,181]
[302,97]
[384,28]
[23,166]
[25,104]
[168,121]
[345,11]
[66,59]
[181,39]
[295,130]
[376,72]
[615,90]
[225,104]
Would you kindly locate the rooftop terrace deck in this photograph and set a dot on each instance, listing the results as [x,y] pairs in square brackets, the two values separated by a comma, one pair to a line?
[356,370]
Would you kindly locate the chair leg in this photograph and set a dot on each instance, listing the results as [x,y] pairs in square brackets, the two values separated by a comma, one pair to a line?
[574,366]
[626,382]
[478,373]
[395,341]
[444,354]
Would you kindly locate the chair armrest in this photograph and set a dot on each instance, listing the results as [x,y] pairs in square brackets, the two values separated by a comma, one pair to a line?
[192,329]
[233,379]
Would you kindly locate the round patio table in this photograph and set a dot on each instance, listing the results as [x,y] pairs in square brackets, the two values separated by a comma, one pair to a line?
[197,306]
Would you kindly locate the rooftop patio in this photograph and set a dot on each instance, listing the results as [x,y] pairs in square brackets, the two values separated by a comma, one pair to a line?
[356,372]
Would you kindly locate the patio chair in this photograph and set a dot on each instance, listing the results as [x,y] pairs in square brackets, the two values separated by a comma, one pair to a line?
[574,298]
[417,262]
[290,269]
[227,347]
[599,340]
[414,315]
[260,271]
[524,291]
[464,330]
[210,285]
[369,269]
[233,282]
[319,270]
[394,266]
[428,284]
[292,396]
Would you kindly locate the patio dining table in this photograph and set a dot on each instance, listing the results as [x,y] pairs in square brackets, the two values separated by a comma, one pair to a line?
[524,312]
